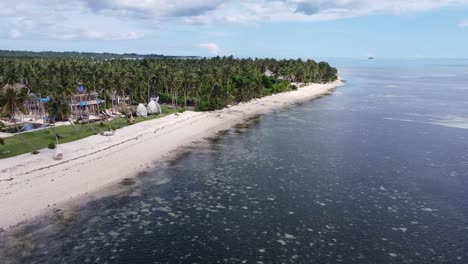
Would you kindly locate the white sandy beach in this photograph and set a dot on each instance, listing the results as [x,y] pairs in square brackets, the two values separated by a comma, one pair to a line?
[31,185]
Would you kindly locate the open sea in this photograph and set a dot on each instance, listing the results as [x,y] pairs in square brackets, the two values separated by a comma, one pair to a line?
[375,173]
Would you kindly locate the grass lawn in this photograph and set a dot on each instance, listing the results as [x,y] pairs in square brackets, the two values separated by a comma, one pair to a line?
[16,144]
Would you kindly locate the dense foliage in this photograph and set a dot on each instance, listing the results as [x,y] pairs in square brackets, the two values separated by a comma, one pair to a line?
[93,55]
[203,83]
[11,101]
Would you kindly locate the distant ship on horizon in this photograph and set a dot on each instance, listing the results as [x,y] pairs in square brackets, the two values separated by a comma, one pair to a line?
[370,58]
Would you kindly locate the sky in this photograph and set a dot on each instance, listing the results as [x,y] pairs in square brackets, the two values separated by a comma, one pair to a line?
[242,28]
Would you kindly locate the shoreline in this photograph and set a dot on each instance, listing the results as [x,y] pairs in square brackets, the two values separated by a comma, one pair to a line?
[33,185]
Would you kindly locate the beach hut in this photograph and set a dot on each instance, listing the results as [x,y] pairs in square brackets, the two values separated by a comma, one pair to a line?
[141,110]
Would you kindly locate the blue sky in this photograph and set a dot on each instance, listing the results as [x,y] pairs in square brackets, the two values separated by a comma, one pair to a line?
[243,28]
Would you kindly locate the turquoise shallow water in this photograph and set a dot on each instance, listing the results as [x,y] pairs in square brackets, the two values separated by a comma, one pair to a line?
[375,173]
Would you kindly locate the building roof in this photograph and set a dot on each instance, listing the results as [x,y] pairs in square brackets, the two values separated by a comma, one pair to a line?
[268,73]
[17,86]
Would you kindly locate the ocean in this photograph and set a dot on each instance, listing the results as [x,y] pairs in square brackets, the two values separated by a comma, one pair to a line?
[377,172]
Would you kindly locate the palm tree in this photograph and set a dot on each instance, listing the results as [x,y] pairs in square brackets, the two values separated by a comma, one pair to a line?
[11,75]
[58,109]
[94,74]
[105,87]
[12,101]
[214,82]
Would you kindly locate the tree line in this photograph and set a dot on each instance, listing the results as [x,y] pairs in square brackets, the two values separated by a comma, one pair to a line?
[92,55]
[205,83]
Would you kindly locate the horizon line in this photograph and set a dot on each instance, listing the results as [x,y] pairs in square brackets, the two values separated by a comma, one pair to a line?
[245,57]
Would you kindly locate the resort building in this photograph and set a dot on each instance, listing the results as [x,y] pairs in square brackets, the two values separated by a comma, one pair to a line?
[35,106]
[84,103]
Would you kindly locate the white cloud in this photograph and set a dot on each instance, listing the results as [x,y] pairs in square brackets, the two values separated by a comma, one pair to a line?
[74,34]
[254,11]
[463,23]
[111,36]
[152,8]
[98,19]
[212,48]
[46,19]
[14,33]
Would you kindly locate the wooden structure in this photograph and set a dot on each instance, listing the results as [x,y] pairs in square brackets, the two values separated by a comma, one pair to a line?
[84,104]
[35,107]
[119,100]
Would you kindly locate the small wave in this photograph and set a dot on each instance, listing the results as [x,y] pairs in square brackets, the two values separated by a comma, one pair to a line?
[400,119]
[450,121]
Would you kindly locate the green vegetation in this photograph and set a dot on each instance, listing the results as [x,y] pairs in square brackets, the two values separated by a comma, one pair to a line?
[202,84]
[59,109]
[11,101]
[91,55]
[45,138]
[206,84]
